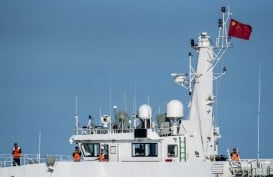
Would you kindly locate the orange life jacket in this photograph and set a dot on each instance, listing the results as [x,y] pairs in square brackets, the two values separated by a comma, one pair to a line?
[235,156]
[102,157]
[16,152]
[77,156]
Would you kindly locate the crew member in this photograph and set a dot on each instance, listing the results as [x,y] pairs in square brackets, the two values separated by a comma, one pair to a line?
[102,155]
[77,154]
[16,152]
[234,155]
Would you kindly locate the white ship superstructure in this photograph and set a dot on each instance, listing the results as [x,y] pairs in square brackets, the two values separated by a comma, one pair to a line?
[175,145]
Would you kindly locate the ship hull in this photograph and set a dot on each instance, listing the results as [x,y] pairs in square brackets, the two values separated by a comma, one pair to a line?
[113,169]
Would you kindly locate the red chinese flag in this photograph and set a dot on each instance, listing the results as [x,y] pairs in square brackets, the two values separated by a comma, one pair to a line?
[239,30]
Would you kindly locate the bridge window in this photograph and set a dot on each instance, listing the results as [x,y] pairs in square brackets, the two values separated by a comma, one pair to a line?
[90,149]
[144,150]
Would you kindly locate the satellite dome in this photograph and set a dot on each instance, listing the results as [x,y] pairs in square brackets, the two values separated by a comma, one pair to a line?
[145,111]
[175,109]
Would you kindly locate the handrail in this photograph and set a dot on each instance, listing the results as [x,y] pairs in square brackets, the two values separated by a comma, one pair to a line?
[252,167]
[7,159]
[101,130]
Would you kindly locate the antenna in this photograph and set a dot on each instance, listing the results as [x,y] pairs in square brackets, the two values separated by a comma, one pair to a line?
[39,147]
[110,98]
[76,117]
[124,100]
[76,105]
[135,97]
[100,115]
[223,40]
[110,105]
[258,118]
[133,104]
[134,112]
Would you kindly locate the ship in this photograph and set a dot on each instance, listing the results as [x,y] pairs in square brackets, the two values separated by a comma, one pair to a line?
[174,145]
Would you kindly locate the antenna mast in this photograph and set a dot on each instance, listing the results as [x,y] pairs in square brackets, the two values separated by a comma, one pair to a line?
[110,105]
[222,44]
[135,97]
[223,40]
[76,117]
[258,119]
[39,148]
[124,100]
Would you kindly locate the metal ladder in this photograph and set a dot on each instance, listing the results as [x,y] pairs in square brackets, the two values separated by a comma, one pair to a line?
[182,150]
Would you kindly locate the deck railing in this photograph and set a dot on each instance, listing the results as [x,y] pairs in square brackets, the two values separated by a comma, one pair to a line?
[102,130]
[252,167]
[6,160]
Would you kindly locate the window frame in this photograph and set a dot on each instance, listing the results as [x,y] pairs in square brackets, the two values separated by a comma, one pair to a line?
[148,150]
[85,149]
[175,150]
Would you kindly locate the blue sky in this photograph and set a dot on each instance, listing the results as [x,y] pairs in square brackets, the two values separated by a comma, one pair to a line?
[51,51]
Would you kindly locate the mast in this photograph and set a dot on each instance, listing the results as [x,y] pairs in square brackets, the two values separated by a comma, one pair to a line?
[202,133]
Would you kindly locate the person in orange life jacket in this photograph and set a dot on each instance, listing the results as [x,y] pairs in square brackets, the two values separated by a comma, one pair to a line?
[234,155]
[16,152]
[103,156]
[77,154]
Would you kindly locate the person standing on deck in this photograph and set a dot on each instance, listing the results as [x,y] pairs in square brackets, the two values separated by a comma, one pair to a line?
[234,155]
[16,152]
[77,154]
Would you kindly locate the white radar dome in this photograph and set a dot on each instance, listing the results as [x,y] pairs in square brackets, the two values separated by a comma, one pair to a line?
[175,109]
[145,111]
